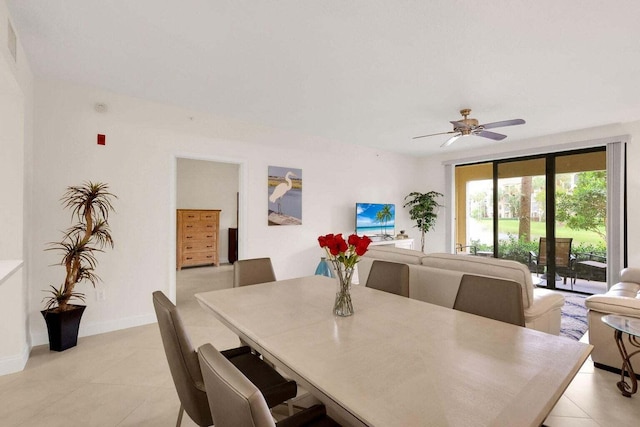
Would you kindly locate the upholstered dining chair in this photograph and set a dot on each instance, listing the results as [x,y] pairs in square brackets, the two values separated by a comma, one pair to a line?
[490,297]
[185,368]
[236,402]
[253,271]
[392,277]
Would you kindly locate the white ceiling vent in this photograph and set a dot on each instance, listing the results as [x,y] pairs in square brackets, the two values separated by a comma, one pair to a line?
[12,42]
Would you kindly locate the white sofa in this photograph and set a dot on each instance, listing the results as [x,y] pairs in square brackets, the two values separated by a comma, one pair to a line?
[435,278]
[624,299]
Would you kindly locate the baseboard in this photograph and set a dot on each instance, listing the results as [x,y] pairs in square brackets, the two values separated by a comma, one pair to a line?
[87,330]
[11,364]
[609,368]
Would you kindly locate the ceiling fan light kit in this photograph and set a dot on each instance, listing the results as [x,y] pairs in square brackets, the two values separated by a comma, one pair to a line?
[468,126]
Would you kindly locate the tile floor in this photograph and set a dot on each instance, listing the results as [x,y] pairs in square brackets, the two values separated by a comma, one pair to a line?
[122,379]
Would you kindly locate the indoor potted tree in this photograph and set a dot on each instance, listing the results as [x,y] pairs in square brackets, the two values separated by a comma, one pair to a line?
[424,211]
[90,205]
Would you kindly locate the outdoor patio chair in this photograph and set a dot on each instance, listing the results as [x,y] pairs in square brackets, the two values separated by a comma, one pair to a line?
[565,260]
[469,249]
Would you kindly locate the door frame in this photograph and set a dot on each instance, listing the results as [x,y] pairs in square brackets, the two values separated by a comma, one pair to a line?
[242,182]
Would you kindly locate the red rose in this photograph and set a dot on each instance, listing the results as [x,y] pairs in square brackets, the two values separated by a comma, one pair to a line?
[336,244]
[362,245]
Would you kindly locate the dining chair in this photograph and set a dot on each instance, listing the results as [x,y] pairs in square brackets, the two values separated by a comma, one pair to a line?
[187,376]
[490,297]
[253,271]
[236,402]
[392,277]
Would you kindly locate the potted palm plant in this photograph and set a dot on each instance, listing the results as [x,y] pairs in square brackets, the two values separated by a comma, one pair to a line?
[90,205]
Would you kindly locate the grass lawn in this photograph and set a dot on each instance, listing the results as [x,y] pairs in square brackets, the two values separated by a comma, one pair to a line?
[510,226]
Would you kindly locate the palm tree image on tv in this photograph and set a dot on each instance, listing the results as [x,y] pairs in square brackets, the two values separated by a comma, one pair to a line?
[375,219]
[383,216]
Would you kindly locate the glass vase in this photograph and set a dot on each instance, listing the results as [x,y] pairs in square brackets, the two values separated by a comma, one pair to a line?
[343,305]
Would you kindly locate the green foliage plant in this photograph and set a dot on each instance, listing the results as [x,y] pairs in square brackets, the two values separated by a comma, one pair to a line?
[423,209]
[516,249]
[90,205]
[585,207]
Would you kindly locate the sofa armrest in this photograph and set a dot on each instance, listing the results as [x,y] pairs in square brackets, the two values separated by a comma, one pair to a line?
[544,300]
[544,314]
[614,305]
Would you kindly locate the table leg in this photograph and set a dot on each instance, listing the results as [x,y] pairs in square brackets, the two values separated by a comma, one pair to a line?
[626,389]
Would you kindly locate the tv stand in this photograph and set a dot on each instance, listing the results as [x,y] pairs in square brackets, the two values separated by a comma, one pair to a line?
[398,243]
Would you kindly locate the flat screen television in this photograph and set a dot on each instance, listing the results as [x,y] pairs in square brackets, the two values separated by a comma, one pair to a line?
[376,220]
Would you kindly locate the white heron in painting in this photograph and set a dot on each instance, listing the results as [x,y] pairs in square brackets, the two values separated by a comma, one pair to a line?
[281,189]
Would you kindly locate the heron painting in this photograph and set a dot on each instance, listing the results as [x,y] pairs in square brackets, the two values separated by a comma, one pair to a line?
[285,196]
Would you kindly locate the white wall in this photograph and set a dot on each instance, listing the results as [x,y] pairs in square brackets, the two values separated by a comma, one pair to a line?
[15,139]
[143,140]
[203,184]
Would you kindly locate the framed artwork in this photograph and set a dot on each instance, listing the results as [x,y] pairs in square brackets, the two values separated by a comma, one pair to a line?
[284,187]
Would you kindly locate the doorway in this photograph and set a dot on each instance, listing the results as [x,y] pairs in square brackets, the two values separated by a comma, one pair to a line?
[546,211]
[209,183]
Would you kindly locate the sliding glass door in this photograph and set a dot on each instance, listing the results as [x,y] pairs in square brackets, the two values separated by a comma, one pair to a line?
[548,212]
[521,207]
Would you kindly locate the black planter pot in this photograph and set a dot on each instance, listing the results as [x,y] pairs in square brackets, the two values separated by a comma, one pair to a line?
[63,327]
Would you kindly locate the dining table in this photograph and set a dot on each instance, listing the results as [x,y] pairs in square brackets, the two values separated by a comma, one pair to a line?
[398,361]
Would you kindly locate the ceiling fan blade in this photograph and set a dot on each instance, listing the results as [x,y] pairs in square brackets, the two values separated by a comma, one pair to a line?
[490,135]
[503,124]
[458,125]
[451,140]
[434,134]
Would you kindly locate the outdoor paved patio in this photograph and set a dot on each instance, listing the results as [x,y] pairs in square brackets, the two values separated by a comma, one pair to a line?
[581,285]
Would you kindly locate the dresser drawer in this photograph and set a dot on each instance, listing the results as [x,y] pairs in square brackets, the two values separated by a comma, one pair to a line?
[201,226]
[210,216]
[198,236]
[198,258]
[199,246]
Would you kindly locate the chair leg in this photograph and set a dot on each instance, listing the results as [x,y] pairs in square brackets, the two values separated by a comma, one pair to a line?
[180,412]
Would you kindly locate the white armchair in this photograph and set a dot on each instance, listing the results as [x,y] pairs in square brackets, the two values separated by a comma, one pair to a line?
[624,299]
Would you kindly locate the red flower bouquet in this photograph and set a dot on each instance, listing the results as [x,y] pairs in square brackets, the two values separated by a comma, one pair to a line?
[344,255]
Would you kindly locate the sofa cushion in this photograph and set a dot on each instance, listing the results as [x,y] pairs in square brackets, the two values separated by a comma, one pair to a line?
[500,268]
[630,274]
[624,289]
[393,254]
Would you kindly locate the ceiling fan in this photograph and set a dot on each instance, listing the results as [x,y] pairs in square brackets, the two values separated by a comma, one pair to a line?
[468,126]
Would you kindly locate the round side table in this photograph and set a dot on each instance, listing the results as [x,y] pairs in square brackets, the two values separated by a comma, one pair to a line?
[631,327]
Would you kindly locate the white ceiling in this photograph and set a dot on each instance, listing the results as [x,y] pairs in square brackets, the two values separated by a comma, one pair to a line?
[368,72]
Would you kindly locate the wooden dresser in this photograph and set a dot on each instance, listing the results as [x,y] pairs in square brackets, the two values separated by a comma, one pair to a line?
[198,234]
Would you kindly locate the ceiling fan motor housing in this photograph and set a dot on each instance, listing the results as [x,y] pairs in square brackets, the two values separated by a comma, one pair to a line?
[469,124]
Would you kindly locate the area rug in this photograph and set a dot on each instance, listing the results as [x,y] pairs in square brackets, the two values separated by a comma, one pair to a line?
[574,316]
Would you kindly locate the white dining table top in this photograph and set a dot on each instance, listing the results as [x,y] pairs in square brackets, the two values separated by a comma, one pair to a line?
[398,361]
